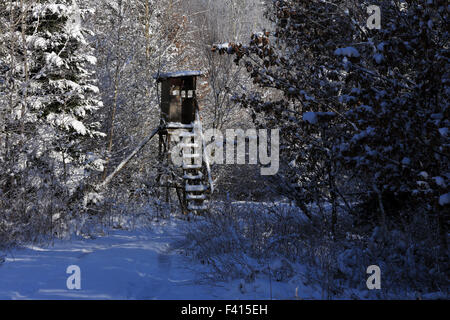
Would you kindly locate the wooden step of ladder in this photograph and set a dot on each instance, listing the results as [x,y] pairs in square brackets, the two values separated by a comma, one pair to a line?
[193,177]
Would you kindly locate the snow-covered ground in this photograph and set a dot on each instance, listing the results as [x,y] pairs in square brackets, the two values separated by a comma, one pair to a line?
[128,265]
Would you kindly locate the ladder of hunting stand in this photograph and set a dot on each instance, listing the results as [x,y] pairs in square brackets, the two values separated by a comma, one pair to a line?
[194,165]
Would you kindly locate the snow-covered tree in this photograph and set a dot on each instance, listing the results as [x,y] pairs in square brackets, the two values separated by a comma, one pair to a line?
[48,95]
[133,40]
[363,112]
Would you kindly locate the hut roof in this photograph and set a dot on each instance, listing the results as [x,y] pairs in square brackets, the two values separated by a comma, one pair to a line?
[177,74]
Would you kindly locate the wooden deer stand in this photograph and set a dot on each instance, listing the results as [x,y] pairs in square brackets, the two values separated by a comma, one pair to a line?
[181,127]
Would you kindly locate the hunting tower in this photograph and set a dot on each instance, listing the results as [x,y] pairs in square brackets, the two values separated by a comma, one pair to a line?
[181,125]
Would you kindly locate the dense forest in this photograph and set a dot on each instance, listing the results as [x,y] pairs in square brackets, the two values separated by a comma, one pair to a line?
[359,95]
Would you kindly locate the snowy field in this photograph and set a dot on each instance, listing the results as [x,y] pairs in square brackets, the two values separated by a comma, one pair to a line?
[128,265]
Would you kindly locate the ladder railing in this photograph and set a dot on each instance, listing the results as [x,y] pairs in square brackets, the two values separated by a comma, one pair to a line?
[205,155]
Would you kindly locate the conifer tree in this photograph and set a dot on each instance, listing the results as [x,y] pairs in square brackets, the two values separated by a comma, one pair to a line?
[48,98]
